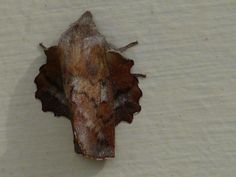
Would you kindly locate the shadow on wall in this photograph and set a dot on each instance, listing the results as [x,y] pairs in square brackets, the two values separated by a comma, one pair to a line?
[37,143]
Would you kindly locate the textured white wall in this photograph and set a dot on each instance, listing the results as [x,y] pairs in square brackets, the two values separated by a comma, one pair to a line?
[187,127]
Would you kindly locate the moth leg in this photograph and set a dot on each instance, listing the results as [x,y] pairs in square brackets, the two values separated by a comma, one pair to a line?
[140,75]
[122,49]
[43,46]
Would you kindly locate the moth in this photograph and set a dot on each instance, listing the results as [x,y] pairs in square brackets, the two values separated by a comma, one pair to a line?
[87,80]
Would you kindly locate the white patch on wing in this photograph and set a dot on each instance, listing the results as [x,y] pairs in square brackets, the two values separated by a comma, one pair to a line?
[91,41]
[86,115]
[104,96]
[90,124]
[75,83]
[75,134]
[57,94]
[120,100]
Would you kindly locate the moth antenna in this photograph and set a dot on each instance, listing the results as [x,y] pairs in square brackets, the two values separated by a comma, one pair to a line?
[140,75]
[43,46]
[132,44]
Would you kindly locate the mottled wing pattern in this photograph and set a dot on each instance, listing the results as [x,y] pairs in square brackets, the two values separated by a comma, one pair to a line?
[125,86]
[49,84]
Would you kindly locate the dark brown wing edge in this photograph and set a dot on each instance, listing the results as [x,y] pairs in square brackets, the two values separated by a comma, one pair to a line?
[49,85]
[125,87]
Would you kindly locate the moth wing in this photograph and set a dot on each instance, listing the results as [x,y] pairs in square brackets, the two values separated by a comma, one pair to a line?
[125,86]
[49,84]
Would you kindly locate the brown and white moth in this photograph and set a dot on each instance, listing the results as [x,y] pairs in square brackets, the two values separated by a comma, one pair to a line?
[88,81]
